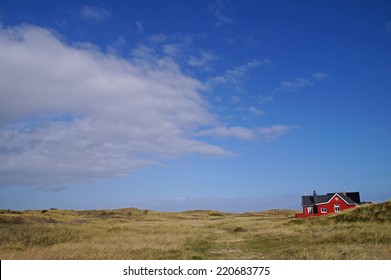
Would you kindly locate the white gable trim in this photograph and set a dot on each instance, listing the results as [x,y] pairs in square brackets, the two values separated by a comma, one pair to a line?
[333,198]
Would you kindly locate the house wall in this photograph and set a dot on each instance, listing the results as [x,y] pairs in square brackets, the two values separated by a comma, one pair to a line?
[330,206]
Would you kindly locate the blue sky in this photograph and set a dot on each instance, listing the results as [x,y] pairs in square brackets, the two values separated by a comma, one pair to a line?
[173,105]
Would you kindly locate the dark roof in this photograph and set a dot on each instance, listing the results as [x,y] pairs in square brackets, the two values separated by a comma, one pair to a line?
[312,200]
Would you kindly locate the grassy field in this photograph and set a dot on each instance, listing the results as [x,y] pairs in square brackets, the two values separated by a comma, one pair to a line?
[362,233]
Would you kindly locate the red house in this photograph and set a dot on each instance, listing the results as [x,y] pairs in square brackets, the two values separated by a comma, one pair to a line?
[317,205]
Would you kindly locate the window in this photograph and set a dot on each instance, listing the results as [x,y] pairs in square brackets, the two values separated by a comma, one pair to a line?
[310,210]
[323,210]
[336,208]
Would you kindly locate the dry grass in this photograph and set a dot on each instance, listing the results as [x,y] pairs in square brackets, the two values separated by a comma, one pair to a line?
[363,233]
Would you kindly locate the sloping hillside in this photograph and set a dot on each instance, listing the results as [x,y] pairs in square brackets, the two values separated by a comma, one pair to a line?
[379,212]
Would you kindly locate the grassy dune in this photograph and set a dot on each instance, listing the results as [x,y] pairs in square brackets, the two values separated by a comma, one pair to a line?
[362,233]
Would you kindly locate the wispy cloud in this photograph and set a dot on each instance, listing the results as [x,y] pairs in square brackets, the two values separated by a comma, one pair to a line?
[269,134]
[94,14]
[300,83]
[296,84]
[117,45]
[273,132]
[256,112]
[319,76]
[203,61]
[157,38]
[266,98]
[172,50]
[218,9]
[235,77]
[179,48]
[140,27]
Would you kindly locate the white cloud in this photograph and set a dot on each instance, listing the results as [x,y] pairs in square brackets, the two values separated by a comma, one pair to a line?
[234,77]
[179,48]
[268,134]
[218,8]
[69,114]
[94,14]
[172,50]
[273,132]
[235,132]
[202,62]
[296,84]
[157,38]
[299,83]
[266,98]
[320,76]
[117,45]
[241,71]
[256,112]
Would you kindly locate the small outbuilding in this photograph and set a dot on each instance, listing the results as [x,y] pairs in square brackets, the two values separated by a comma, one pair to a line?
[317,205]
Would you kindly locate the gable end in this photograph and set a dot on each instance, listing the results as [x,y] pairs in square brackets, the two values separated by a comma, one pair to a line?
[344,198]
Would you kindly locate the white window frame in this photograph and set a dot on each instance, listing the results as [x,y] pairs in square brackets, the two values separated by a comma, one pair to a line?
[337,208]
[310,210]
[323,210]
